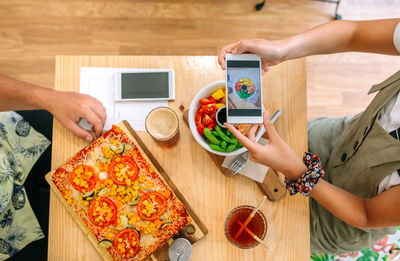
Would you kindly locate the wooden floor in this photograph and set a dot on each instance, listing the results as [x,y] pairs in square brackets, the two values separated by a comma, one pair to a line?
[33,32]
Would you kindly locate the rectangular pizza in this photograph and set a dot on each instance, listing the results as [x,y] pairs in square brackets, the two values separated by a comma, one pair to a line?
[120,198]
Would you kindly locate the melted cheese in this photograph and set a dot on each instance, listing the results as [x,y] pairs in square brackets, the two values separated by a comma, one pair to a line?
[150,181]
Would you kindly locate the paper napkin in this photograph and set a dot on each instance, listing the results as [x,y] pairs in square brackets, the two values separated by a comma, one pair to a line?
[251,170]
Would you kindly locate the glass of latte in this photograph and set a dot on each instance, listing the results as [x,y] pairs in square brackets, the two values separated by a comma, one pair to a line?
[162,124]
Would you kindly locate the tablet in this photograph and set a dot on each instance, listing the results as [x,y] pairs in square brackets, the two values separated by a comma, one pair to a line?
[145,84]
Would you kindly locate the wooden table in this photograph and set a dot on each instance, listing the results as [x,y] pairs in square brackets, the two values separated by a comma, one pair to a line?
[211,194]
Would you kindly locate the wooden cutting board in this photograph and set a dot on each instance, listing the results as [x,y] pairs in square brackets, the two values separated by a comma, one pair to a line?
[272,186]
[193,231]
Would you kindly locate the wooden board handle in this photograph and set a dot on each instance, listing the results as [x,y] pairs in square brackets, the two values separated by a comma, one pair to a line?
[272,186]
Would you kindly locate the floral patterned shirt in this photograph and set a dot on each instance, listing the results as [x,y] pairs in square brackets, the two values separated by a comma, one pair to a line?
[20,147]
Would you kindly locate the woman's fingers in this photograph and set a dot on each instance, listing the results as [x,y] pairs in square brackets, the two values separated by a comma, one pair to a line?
[251,134]
[248,46]
[250,145]
[242,47]
[271,131]
[226,49]
[264,69]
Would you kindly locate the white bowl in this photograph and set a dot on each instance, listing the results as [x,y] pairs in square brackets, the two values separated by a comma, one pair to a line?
[194,107]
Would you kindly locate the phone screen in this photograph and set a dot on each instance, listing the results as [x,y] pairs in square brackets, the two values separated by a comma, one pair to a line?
[244,88]
[144,85]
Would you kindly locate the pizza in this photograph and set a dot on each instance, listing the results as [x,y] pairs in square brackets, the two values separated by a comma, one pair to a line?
[120,198]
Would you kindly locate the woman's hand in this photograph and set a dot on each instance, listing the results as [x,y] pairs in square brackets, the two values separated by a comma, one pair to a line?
[271,52]
[276,154]
[69,107]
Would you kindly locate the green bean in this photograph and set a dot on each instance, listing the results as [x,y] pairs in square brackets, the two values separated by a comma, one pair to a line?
[229,133]
[239,145]
[224,144]
[210,137]
[223,136]
[235,141]
[215,133]
[216,147]
[231,147]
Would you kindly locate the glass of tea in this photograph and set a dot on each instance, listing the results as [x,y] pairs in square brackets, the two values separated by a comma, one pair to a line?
[258,225]
[162,124]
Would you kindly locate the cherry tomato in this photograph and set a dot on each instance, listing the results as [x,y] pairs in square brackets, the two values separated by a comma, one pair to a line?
[212,99]
[123,168]
[83,178]
[212,126]
[126,240]
[198,118]
[102,212]
[200,129]
[207,120]
[238,86]
[205,101]
[213,115]
[157,203]
[209,108]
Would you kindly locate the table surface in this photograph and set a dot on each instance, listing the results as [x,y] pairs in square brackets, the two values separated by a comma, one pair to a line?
[208,191]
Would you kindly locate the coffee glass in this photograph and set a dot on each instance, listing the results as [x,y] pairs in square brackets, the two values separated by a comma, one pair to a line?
[162,124]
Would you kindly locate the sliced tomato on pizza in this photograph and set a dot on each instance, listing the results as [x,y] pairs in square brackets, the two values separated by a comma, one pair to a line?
[151,206]
[102,211]
[123,170]
[127,242]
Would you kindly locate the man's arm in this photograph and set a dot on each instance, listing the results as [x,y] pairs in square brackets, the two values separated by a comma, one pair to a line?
[17,95]
[380,211]
[67,107]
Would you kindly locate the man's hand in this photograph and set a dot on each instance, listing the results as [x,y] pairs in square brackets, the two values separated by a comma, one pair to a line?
[69,107]
[276,154]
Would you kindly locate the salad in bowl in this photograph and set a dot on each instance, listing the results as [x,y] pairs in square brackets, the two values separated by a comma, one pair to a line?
[204,127]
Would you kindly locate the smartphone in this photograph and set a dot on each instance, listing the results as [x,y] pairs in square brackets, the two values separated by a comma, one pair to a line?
[144,84]
[243,88]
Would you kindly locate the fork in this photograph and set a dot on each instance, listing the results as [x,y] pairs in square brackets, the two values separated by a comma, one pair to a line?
[240,161]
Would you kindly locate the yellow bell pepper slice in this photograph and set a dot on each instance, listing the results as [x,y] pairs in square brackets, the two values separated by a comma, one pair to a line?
[218,94]
[219,105]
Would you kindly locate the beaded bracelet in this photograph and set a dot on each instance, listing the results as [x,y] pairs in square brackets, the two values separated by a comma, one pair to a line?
[309,179]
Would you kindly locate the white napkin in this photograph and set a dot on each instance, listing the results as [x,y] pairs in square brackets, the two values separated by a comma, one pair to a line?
[251,170]
[100,83]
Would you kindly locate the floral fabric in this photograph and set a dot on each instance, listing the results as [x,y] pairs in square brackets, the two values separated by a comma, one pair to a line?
[20,147]
[385,249]
[306,182]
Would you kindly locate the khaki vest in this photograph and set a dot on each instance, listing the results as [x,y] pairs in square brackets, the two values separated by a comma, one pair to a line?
[362,155]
